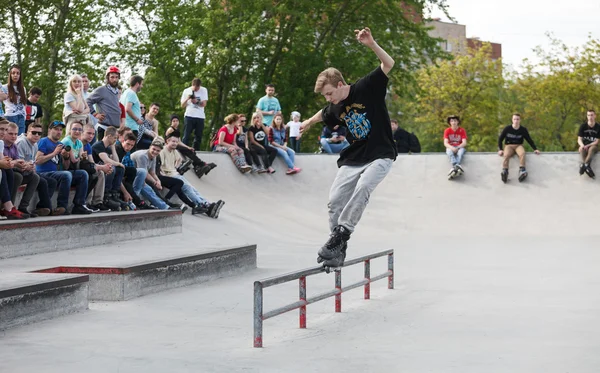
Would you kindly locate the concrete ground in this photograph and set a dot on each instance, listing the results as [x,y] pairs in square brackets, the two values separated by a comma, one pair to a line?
[489,278]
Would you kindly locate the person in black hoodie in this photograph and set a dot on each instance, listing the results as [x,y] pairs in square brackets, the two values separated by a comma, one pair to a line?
[513,137]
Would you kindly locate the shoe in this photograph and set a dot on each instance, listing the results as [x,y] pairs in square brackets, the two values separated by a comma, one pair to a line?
[522,174]
[290,171]
[58,211]
[200,209]
[184,167]
[111,204]
[582,168]
[143,205]
[504,175]
[254,169]
[183,208]
[297,169]
[459,169]
[590,172]
[262,170]
[173,205]
[101,207]
[333,247]
[80,210]
[452,173]
[31,214]
[42,211]
[218,208]
[245,168]
[93,208]
[271,170]
[14,214]
[210,167]
[335,263]
[2,217]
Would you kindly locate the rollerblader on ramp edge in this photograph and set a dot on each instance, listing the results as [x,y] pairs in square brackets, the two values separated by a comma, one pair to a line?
[365,163]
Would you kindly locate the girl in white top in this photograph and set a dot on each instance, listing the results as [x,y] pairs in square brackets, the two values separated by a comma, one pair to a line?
[294,127]
[74,102]
[14,98]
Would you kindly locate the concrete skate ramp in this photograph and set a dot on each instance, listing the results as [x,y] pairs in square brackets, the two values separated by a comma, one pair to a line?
[416,198]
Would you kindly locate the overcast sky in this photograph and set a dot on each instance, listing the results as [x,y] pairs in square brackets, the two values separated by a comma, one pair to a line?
[521,25]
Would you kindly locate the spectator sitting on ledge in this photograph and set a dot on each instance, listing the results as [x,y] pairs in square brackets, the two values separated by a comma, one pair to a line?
[334,141]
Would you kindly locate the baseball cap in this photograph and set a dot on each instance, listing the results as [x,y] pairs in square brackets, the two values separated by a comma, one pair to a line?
[158,143]
[56,123]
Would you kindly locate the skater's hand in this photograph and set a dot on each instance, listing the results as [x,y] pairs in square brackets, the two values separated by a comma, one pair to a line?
[581,148]
[536,152]
[127,197]
[364,36]
[500,153]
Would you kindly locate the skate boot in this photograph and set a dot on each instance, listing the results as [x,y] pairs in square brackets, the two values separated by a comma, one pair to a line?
[115,196]
[336,263]
[452,174]
[333,246]
[459,169]
[184,167]
[110,202]
[590,172]
[522,174]
[582,168]
[504,175]
[200,209]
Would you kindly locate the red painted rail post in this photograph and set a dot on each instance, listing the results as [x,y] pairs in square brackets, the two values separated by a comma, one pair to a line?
[258,314]
[338,287]
[303,298]
[368,277]
[391,269]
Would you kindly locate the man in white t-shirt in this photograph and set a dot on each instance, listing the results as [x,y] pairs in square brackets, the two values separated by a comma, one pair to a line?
[193,100]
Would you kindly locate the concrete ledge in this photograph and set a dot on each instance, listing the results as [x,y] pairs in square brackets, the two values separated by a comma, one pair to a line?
[48,234]
[26,298]
[123,283]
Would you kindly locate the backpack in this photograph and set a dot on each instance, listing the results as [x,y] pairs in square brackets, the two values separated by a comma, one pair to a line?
[413,143]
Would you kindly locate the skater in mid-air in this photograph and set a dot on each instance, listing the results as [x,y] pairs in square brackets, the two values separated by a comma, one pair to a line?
[455,141]
[361,108]
[513,137]
[587,138]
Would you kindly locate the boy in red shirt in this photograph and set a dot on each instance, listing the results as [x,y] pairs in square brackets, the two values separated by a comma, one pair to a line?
[455,141]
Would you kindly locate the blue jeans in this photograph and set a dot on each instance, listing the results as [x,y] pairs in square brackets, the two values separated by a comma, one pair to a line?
[332,148]
[64,179]
[287,155]
[295,144]
[141,188]
[455,158]
[113,181]
[19,120]
[191,192]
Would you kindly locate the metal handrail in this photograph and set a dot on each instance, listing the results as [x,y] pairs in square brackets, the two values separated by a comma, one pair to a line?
[303,301]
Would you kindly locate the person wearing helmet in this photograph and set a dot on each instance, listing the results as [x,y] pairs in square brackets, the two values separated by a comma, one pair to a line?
[104,102]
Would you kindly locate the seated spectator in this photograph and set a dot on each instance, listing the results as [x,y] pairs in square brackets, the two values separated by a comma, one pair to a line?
[258,141]
[22,172]
[49,164]
[201,168]
[124,146]
[294,127]
[170,161]
[242,141]
[145,162]
[401,137]
[27,148]
[334,141]
[104,152]
[8,211]
[225,143]
[75,104]
[95,197]
[277,139]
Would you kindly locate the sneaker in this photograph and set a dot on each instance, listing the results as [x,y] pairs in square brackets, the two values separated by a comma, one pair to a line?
[245,168]
[297,169]
[2,217]
[183,208]
[334,245]
[58,211]
[504,175]
[271,170]
[590,172]
[31,214]
[254,169]
[93,208]
[200,209]
[261,170]
[582,168]
[14,214]
[101,207]
[459,169]
[143,205]
[80,210]
[290,171]
[42,211]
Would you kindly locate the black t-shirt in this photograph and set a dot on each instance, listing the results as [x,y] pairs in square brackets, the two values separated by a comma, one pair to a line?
[365,115]
[589,134]
[259,135]
[32,112]
[98,148]
[402,140]
[120,151]
[515,136]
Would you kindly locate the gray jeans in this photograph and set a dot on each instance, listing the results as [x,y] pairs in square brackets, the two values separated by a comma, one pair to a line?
[351,189]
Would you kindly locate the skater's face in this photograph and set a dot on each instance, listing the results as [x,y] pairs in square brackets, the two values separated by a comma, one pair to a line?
[591,116]
[333,94]
[516,121]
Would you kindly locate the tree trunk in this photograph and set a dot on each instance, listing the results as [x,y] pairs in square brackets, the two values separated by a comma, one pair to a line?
[13,16]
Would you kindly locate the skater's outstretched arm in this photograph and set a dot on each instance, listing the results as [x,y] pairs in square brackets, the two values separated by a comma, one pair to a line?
[365,37]
[305,126]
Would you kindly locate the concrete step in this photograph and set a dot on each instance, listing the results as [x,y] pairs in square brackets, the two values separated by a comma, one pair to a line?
[26,297]
[48,234]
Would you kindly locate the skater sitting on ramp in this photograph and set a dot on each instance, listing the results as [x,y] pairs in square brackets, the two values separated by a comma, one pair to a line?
[587,139]
[513,136]
[364,164]
[455,141]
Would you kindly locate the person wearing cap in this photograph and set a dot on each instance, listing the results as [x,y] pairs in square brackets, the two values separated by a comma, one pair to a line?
[49,164]
[145,162]
[455,141]
[104,102]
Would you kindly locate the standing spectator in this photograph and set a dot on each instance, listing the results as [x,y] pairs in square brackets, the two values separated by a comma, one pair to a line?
[225,143]
[14,103]
[242,141]
[514,136]
[268,106]
[145,162]
[27,148]
[278,140]
[33,110]
[106,100]
[22,171]
[455,141]
[259,143]
[333,141]
[587,138]
[294,127]
[95,197]
[401,137]
[130,100]
[193,100]
[75,109]
[49,165]
[149,127]
[201,168]
[85,83]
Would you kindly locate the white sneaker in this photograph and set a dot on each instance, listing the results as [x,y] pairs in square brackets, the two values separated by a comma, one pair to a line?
[85,207]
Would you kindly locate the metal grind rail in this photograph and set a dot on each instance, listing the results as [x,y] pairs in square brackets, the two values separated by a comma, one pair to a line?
[260,316]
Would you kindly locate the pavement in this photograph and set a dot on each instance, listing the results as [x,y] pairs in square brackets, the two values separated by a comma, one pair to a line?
[490,277]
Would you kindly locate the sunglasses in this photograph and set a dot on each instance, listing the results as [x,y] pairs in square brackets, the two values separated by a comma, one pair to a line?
[77,129]
[243,121]
[36,133]
[142,107]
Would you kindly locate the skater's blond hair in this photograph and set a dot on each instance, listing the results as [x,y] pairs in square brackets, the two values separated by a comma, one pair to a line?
[330,76]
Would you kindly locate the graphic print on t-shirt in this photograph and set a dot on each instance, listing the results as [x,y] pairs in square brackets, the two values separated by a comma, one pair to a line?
[260,136]
[357,123]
